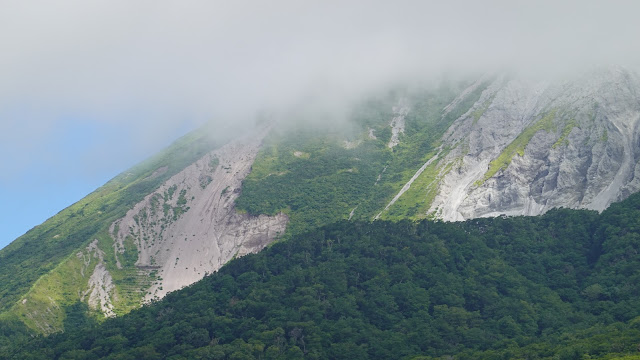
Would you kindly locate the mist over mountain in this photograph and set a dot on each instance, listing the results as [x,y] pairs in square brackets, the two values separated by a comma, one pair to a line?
[293,117]
[154,68]
[459,148]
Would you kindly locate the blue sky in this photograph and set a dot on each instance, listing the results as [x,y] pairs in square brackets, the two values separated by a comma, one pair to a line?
[89,88]
[30,201]
[72,160]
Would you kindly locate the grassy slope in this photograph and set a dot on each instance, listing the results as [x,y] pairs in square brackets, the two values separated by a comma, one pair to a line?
[419,147]
[49,249]
[313,177]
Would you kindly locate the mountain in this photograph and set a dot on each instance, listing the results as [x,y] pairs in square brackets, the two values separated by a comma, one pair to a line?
[559,286]
[449,150]
[528,147]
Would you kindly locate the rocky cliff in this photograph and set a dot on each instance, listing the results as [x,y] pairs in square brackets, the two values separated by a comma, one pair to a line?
[526,147]
[189,227]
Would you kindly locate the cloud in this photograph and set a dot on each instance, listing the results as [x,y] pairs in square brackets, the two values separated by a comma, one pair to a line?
[89,88]
[154,68]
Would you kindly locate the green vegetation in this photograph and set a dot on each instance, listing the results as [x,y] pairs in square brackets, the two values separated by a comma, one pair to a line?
[562,140]
[426,124]
[313,177]
[564,285]
[315,189]
[50,249]
[518,145]
[129,281]
[415,202]
[477,114]
[43,307]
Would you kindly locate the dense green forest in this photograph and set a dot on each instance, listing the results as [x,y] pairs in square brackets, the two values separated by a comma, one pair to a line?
[564,285]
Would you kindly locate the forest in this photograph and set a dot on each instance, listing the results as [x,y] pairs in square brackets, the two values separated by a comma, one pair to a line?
[564,285]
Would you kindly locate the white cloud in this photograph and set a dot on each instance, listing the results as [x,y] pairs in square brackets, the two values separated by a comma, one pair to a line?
[149,66]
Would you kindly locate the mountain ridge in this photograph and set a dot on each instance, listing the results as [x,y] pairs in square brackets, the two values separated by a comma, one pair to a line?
[603,111]
[458,150]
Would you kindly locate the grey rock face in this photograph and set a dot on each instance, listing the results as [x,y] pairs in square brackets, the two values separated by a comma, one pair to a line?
[101,289]
[189,226]
[583,156]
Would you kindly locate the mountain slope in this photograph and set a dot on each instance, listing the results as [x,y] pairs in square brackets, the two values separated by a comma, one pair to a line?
[527,148]
[502,145]
[318,175]
[453,150]
[189,227]
[561,285]
[124,260]
[44,247]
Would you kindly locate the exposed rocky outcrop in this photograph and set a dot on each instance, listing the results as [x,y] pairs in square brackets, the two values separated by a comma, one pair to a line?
[397,123]
[189,226]
[101,289]
[527,147]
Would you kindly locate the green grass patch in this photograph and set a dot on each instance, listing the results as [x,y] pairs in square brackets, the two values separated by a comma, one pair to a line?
[128,280]
[42,309]
[518,145]
[416,201]
[562,140]
[477,114]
